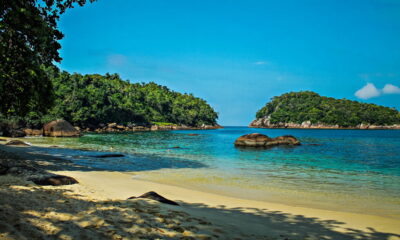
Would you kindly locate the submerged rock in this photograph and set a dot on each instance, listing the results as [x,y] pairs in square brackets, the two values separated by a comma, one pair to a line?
[109,155]
[155,196]
[16,143]
[60,128]
[261,140]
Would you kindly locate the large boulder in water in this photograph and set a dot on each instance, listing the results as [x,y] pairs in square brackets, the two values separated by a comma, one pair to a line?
[60,128]
[261,140]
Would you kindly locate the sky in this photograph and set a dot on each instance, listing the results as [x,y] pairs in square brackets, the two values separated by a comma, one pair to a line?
[237,55]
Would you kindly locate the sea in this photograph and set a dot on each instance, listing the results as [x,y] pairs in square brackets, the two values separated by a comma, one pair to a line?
[342,170]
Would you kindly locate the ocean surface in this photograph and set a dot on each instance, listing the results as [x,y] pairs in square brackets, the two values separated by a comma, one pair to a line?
[347,170]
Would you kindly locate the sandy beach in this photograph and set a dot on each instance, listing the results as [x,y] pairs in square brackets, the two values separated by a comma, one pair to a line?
[97,208]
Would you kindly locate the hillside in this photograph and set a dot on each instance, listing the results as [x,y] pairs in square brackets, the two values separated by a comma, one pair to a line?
[310,110]
[94,99]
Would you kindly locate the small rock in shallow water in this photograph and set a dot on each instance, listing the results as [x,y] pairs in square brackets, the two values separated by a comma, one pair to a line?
[109,155]
[56,180]
[261,140]
[155,196]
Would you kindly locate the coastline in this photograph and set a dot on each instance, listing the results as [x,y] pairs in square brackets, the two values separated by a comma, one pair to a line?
[265,123]
[235,216]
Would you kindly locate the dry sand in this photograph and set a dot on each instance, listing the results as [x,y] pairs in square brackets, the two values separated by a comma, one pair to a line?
[97,208]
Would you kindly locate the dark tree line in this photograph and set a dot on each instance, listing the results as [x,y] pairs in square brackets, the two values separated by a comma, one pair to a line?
[29,43]
[297,107]
[92,99]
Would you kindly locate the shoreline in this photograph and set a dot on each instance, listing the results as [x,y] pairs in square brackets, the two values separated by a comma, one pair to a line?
[325,128]
[265,123]
[237,215]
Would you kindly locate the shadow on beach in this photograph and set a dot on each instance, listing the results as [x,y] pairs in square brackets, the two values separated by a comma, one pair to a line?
[34,212]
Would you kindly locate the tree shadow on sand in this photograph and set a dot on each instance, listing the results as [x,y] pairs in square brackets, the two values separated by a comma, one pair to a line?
[35,212]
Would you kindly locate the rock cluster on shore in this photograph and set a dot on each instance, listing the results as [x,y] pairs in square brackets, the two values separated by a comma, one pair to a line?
[114,127]
[261,140]
[266,123]
[62,128]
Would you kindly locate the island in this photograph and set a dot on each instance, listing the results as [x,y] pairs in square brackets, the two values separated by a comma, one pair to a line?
[307,109]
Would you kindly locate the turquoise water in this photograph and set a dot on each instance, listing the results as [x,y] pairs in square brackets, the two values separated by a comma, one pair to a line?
[332,169]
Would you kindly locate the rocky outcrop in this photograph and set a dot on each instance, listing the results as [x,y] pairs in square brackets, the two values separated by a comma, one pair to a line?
[33,132]
[265,123]
[155,196]
[55,180]
[60,128]
[261,140]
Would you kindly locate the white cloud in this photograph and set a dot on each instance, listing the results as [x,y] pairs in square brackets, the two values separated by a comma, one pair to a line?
[116,60]
[368,91]
[391,89]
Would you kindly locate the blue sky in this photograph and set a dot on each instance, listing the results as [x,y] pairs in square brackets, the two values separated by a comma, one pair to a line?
[239,54]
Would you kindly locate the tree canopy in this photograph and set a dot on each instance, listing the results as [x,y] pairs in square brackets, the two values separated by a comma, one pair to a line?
[92,99]
[28,43]
[297,107]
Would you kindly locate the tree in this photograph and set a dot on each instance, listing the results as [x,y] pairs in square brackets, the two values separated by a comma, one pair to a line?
[28,44]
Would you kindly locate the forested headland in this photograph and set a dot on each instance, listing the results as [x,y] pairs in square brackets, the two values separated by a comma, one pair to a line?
[93,99]
[307,109]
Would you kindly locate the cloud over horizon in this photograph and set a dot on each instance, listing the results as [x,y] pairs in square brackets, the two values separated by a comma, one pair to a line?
[370,91]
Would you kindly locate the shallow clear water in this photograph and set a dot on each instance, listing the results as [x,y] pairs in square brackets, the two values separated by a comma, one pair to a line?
[333,169]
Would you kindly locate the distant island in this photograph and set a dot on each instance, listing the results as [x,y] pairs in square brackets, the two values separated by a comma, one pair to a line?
[308,109]
[103,103]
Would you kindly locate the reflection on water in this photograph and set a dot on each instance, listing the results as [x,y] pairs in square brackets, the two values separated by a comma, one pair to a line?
[360,166]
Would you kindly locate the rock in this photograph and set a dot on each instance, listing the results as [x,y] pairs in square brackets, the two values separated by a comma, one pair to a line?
[16,143]
[154,128]
[176,147]
[261,140]
[56,180]
[193,134]
[112,125]
[108,155]
[155,196]
[120,127]
[33,132]
[60,128]
[14,133]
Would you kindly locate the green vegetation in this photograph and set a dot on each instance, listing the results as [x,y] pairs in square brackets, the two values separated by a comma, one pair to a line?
[163,124]
[297,107]
[29,43]
[88,100]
